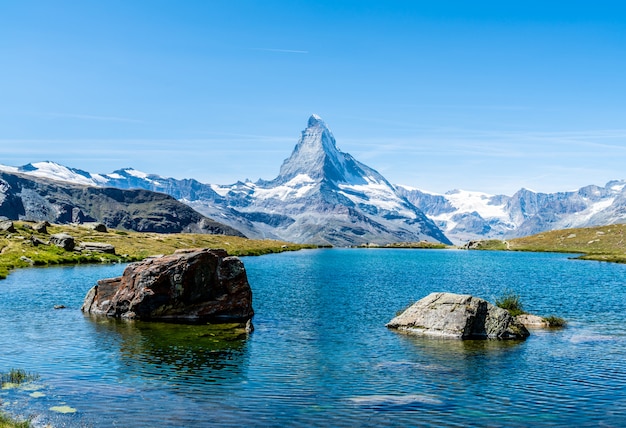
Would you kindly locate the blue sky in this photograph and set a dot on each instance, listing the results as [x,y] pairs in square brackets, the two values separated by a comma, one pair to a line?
[486,95]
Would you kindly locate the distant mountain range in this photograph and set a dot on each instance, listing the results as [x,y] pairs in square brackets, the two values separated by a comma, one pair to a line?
[325,196]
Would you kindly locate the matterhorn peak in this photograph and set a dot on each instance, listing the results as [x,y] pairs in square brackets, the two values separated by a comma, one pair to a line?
[315,120]
[317,157]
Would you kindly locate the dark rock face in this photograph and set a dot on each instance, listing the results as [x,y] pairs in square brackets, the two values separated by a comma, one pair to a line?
[458,316]
[189,286]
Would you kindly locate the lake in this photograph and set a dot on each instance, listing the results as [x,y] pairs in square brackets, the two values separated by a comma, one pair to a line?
[320,354]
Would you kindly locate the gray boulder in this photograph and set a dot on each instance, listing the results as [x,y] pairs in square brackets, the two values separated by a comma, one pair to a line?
[37,241]
[190,286]
[63,240]
[99,227]
[458,316]
[532,321]
[7,226]
[96,247]
[41,227]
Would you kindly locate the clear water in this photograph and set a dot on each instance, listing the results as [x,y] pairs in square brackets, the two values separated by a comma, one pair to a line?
[320,354]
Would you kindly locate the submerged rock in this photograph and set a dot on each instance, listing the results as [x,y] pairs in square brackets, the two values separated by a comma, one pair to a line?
[458,316]
[199,285]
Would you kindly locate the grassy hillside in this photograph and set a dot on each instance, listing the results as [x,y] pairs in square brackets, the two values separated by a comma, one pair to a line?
[17,249]
[604,243]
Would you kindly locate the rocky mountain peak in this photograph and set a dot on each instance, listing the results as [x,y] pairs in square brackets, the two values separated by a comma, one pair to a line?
[314,121]
[316,155]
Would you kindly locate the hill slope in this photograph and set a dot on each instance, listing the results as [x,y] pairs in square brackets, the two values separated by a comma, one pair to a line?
[24,197]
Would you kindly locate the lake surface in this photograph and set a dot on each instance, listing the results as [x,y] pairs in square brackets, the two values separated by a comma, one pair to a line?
[320,354]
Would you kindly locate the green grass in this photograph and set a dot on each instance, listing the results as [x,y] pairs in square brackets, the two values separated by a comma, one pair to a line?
[17,250]
[512,302]
[603,243]
[7,422]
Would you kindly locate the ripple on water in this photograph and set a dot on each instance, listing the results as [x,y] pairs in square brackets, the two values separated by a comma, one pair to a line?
[320,354]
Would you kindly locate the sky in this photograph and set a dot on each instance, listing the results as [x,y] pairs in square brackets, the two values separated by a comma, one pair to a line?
[488,96]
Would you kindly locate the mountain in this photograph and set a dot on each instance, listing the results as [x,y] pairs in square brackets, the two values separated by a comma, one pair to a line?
[31,197]
[321,196]
[325,196]
[464,215]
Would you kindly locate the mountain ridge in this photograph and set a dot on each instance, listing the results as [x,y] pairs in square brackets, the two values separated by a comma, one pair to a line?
[326,196]
[26,197]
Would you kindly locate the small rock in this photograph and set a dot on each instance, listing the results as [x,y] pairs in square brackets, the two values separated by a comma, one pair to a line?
[96,247]
[7,226]
[27,260]
[98,227]
[37,241]
[532,321]
[59,306]
[41,227]
[63,240]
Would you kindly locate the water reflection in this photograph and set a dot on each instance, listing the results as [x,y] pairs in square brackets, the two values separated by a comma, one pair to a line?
[189,356]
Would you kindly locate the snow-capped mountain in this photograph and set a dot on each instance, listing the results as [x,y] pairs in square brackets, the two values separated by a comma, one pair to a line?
[465,216]
[321,196]
[325,196]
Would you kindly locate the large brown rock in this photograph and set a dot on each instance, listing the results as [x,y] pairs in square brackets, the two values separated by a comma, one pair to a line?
[189,286]
[458,316]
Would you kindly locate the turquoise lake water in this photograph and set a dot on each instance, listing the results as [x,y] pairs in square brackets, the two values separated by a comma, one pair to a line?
[320,354]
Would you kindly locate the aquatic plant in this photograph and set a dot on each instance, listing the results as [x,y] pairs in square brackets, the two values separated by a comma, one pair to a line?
[512,302]
[7,422]
[554,321]
[17,377]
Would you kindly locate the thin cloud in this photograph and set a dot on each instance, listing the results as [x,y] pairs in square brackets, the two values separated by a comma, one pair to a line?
[94,117]
[281,50]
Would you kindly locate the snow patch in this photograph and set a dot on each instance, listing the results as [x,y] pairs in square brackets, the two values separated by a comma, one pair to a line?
[466,202]
[378,195]
[135,173]
[7,168]
[54,171]
[297,187]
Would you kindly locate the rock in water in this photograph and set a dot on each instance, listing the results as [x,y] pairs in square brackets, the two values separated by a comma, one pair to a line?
[200,285]
[458,316]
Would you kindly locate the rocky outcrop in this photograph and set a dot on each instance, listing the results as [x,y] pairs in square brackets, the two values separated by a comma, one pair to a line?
[199,285]
[458,316]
